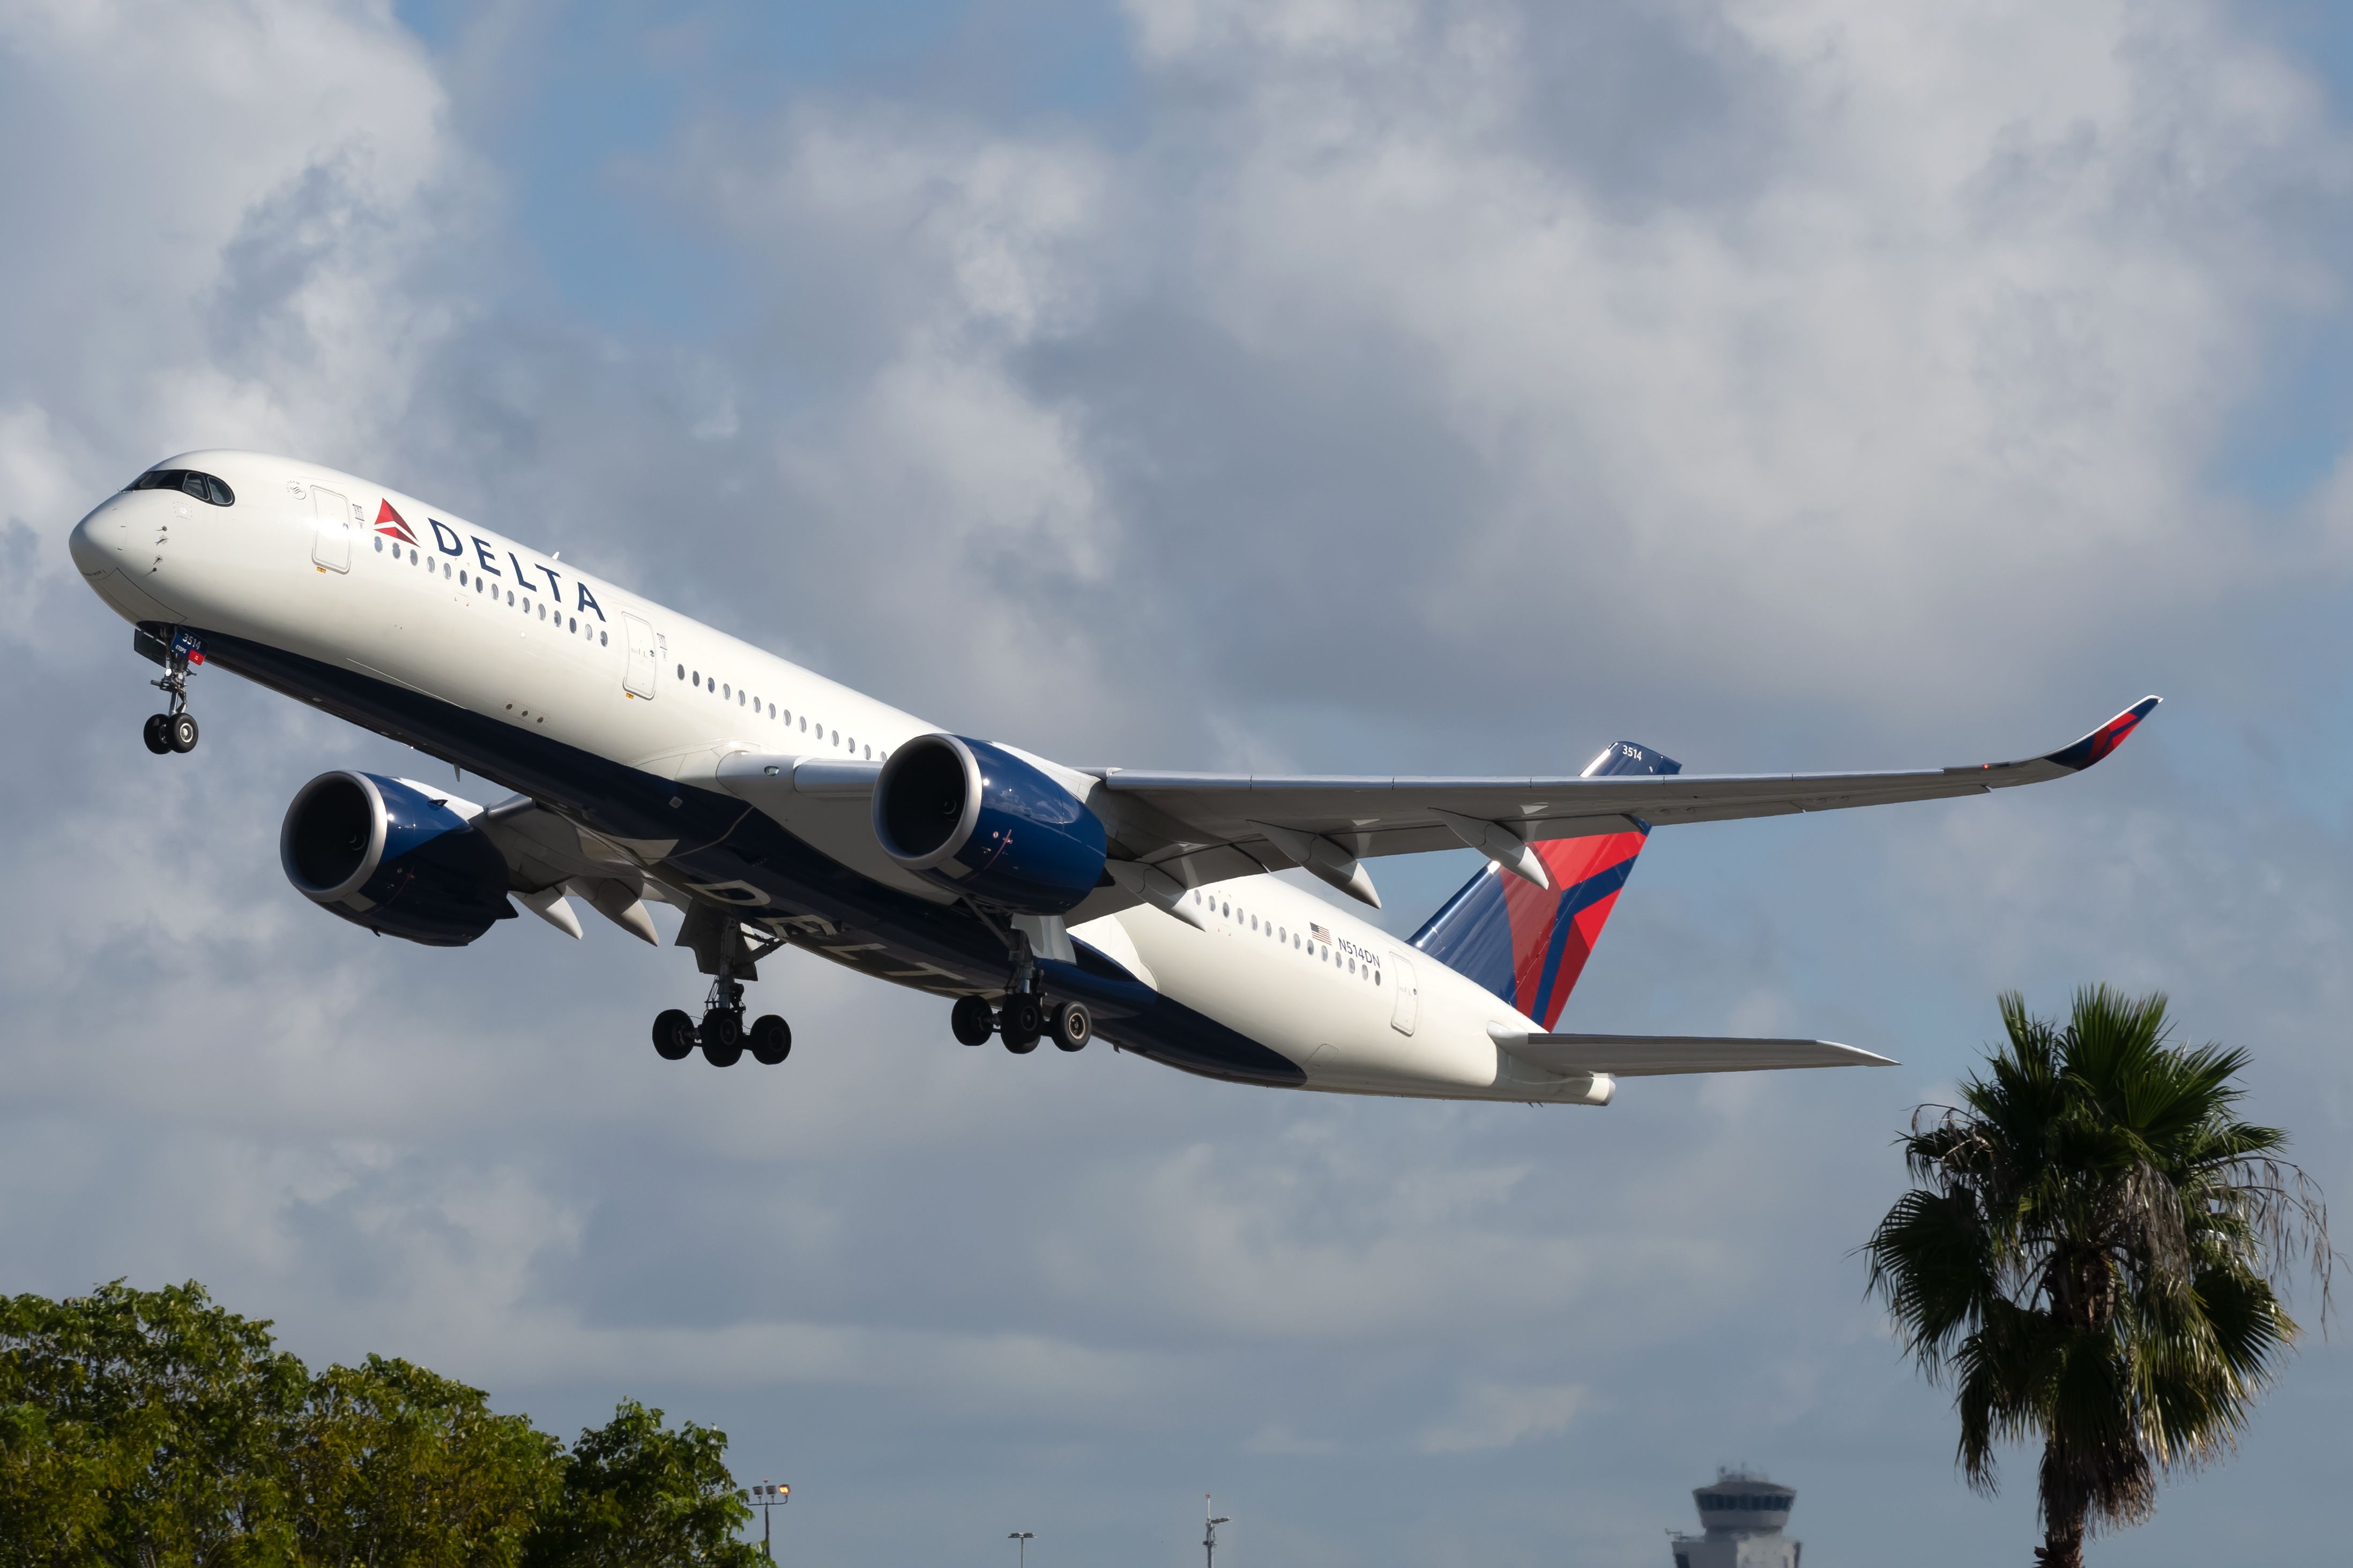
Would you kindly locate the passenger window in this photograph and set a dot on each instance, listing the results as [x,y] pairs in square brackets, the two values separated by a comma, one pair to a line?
[771,709]
[379,545]
[543,609]
[602,639]
[681,672]
[836,737]
[572,624]
[869,753]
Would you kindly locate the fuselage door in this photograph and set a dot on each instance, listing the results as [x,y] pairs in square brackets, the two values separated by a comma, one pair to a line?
[331,533]
[1408,993]
[640,680]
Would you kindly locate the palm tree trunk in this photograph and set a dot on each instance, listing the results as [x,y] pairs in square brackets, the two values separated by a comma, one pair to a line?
[2063,1544]
[2064,1507]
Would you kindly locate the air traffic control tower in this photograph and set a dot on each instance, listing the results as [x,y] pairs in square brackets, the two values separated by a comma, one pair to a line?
[1740,1516]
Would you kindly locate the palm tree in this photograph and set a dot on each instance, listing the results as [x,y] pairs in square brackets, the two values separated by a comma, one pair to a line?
[2087,1257]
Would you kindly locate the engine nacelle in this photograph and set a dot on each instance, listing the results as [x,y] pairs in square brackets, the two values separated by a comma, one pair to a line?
[974,817]
[385,854]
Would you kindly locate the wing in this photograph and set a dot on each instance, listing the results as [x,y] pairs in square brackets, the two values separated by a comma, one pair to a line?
[1202,828]
[549,858]
[1654,1056]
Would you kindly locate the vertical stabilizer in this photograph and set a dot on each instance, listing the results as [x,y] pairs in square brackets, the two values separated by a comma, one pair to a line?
[1529,944]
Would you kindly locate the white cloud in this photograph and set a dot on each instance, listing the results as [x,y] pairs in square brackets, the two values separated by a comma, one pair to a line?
[1497,1416]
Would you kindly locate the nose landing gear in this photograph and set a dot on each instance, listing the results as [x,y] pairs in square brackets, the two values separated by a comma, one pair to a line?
[175,730]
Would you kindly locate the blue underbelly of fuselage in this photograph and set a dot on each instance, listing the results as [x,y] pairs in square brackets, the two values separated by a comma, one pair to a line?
[762,870]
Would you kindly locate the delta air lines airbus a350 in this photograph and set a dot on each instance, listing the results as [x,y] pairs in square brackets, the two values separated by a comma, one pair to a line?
[653,759]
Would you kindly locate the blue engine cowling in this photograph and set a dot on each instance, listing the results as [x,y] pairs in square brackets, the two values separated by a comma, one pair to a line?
[974,817]
[384,854]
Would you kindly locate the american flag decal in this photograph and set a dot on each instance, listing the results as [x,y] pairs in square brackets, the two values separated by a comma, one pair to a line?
[1318,933]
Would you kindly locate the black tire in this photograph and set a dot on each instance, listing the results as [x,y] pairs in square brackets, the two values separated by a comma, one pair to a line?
[723,1054]
[674,1035]
[182,729]
[772,1040]
[157,732]
[1071,1026]
[1021,1021]
[723,1026]
[971,1021]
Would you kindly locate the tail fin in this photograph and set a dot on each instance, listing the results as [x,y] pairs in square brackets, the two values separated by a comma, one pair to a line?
[1524,943]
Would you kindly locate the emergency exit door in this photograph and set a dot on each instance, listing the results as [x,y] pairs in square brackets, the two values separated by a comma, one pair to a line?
[642,675]
[1408,993]
[330,531]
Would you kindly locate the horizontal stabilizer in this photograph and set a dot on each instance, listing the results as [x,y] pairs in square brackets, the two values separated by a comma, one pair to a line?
[1654,1056]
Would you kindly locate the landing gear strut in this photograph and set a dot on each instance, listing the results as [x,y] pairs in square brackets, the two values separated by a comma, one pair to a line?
[175,730]
[730,960]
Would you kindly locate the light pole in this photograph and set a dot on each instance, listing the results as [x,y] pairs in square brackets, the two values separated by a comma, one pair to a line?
[766,1496]
[1210,1537]
[1021,1550]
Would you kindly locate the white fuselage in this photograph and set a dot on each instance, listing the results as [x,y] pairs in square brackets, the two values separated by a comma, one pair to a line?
[302,562]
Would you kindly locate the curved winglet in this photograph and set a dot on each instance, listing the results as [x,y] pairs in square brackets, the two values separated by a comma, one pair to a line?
[2105,739]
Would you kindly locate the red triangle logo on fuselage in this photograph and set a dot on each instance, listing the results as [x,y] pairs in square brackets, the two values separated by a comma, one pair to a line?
[389,521]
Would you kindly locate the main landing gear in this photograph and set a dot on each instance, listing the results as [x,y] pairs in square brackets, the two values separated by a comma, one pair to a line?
[1023,1020]
[174,729]
[723,1037]
[1025,1016]
[723,952]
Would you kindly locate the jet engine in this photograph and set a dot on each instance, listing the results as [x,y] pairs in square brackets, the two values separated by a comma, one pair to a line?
[974,817]
[395,857]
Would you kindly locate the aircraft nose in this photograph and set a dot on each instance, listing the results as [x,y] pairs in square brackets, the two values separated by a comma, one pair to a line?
[96,542]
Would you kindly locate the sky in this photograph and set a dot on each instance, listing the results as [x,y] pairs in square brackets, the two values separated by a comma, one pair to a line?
[1381,386]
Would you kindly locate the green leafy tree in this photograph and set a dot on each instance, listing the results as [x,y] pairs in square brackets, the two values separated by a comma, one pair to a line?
[395,1467]
[2088,1257]
[142,1426]
[637,1494]
[153,1429]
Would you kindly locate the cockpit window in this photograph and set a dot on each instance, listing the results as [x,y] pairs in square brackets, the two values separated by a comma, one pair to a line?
[204,486]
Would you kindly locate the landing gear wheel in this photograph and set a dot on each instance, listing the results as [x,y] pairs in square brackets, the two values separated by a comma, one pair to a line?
[1022,1020]
[970,1021]
[1071,1026]
[723,1037]
[772,1040]
[157,732]
[674,1034]
[181,730]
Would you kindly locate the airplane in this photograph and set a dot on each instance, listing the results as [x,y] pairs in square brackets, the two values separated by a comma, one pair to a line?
[653,759]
